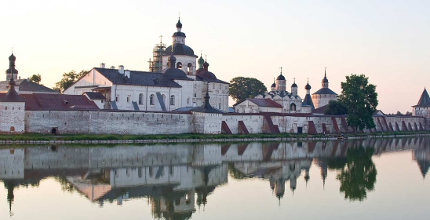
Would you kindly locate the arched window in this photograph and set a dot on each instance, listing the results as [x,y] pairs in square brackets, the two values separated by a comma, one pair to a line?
[179,65]
[151,99]
[172,100]
[140,99]
[190,69]
[293,107]
[12,128]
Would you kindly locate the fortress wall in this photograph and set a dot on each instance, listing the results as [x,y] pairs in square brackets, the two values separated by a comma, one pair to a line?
[100,122]
[106,122]
[254,123]
[400,119]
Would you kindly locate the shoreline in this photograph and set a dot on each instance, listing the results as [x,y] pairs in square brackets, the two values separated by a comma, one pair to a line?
[38,139]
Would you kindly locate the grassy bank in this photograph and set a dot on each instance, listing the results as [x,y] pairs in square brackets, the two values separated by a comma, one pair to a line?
[89,137]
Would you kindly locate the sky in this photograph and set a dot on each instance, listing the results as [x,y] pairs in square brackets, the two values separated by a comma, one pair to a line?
[388,41]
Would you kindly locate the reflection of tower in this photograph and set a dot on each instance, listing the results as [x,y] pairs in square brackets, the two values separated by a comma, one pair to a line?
[279,188]
[307,177]
[293,183]
[422,156]
[10,186]
[272,183]
[323,166]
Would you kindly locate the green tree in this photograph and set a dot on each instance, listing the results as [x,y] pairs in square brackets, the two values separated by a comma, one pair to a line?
[68,79]
[361,100]
[336,108]
[359,174]
[36,78]
[242,88]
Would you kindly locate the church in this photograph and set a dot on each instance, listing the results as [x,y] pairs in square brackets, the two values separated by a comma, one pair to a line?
[281,101]
[180,83]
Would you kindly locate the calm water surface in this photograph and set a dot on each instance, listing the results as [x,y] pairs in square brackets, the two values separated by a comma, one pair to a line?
[370,179]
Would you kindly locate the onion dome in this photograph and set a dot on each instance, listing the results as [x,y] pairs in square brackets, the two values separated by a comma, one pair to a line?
[294,84]
[325,80]
[201,61]
[179,24]
[12,57]
[12,69]
[273,85]
[280,77]
[205,74]
[308,87]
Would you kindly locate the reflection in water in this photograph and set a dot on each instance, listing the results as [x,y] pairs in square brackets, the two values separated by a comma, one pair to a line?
[176,179]
[359,174]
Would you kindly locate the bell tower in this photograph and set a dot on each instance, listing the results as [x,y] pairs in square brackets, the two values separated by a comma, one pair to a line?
[11,72]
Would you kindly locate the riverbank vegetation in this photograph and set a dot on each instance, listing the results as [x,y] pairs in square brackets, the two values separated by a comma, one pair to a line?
[78,137]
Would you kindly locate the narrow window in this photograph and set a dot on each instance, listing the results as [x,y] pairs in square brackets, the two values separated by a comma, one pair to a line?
[140,99]
[172,100]
[151,99]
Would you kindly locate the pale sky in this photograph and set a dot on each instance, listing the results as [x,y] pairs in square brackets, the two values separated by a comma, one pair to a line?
[388,41]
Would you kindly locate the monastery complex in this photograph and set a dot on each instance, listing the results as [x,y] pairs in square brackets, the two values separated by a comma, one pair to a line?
[177,95]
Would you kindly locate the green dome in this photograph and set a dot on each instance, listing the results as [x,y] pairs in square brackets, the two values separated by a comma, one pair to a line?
[201,61]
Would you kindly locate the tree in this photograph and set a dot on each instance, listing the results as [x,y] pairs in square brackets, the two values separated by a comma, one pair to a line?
[242,88]
[36,78]
[68,79]
[361,100]
[336,108]
[359,174]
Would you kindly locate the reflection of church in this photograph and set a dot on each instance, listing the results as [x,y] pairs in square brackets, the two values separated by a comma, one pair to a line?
[177,179]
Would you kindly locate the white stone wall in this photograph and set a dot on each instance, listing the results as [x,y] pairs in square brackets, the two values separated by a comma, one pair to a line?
[207,123]
[321,100]
[105,122]
[100,122]
[12,117]
[254,123]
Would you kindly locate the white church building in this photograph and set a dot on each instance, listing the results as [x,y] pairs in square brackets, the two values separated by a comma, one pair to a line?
[279,100]
[180,84]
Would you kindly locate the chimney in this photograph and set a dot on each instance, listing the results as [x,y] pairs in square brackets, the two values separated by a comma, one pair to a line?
[102,65]
[127,73]
[121,69]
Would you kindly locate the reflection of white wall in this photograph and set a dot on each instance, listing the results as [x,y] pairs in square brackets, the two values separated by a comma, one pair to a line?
[11,163]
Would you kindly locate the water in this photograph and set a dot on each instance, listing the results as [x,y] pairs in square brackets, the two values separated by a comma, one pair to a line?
[370,179]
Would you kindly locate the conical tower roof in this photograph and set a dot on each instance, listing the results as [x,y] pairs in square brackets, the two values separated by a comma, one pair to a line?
[12,95]
[424,100]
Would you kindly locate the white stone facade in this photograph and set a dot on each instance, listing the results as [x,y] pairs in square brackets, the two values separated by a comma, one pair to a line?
[321,100]
[12,117]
